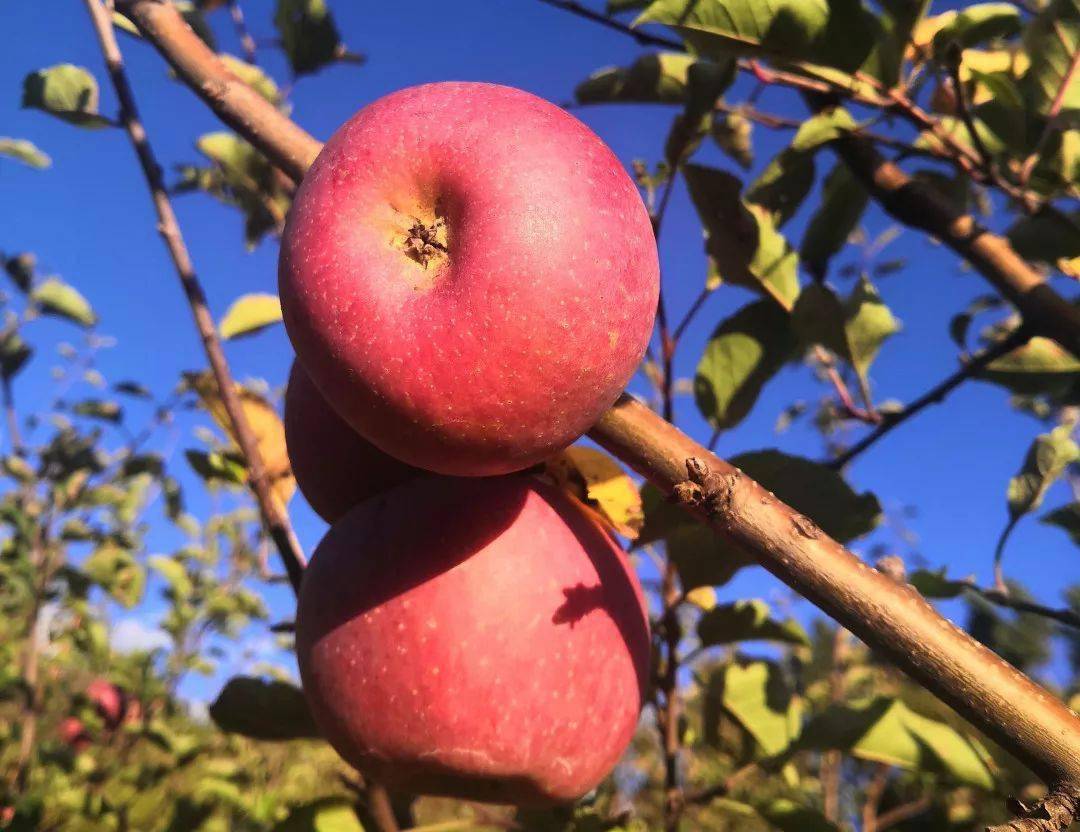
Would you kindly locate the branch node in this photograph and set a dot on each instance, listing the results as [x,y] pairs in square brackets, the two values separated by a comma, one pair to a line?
[1054,813]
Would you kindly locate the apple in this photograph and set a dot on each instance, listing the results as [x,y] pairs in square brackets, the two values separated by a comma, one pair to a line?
[108,701]
[469,275]
[72,732]
[334,466]
[474,638]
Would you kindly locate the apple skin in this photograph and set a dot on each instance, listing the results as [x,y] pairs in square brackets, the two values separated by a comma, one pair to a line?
[72,732]
[108,701]
[491,355]
[474,638]
[334,466]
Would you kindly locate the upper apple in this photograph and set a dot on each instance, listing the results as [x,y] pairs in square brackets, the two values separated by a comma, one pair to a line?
[469,275]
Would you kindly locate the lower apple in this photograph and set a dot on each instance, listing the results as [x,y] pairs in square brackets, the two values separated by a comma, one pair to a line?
[474,638]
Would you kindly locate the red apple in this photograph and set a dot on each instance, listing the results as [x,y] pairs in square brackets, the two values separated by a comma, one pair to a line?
[334,466]
[108,701]
[73,733]
[474,638]
[469,275]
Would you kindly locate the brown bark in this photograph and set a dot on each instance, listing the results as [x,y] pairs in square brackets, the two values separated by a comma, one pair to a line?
[273,514]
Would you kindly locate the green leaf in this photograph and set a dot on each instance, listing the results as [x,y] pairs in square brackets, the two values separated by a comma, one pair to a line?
[733,134]
[133,388]
[960,323]
[253,76]
[935,584]
[1047,458]
[837,33]
[658,78]
[14,353]
[115,570]
[20,269]
[19,468]
[788,816]
[747,621]
[55,297]
[814,490]
[819,318]
[977,24]
[106,411]
[756,696]
[66,91]
[263,709]
[702,558]
[783,185]
[1051,40]
[329,814]
[1046,238]
[250,314]
[869,323]
[1066,518]
[174,573]
[742,238]
[217,468]
[308,33]
[24,151]
[742,354]
[887,731]
[843,200]
[898,22]
[1039,367]
[822,128]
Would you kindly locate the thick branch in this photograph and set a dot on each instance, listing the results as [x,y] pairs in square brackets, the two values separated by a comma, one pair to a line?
[238,105]
[918,205]
[1055,813]
[894,620]
[273,514]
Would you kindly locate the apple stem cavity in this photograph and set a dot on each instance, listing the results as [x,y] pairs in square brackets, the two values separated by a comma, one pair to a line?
[425,243]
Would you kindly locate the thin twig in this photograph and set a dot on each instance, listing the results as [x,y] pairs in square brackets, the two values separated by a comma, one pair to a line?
[875,789]
[1004,598]
[643,38]
[247,42]
[935,395]
[905,811]
[273,514]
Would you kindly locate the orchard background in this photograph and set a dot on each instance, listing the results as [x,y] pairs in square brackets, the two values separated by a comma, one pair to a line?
[133,551]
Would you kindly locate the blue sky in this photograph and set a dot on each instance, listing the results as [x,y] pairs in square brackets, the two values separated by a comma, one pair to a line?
[88,219]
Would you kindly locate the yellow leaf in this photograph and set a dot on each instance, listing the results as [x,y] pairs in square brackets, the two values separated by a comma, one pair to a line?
[1070,267]
[922,37]
[599,482]
[265,426]
[702,597]
[250,314]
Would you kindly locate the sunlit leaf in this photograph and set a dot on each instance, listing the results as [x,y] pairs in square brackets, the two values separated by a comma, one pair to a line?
[742,238]
[24,151]
[747,621]
[869,323]
[756,696]
[55,297]
[838,33]
[599,482]
[655,78]
[66,91]
[742,354]
[308,33]
[116,571]
[250,314]
[887,731]
[1051,41]
[843,200]
[1046,460]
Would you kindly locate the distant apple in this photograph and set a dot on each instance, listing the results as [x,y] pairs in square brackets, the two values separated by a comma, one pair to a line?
[334,466]
[108,701]
[73,733]
[475,638]
[469,275]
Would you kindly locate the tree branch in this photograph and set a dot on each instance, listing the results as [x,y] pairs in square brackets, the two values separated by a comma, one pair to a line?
[273,514]
[1055,813]
[282,141]
[918,205]
[1011,709]
[934,395]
